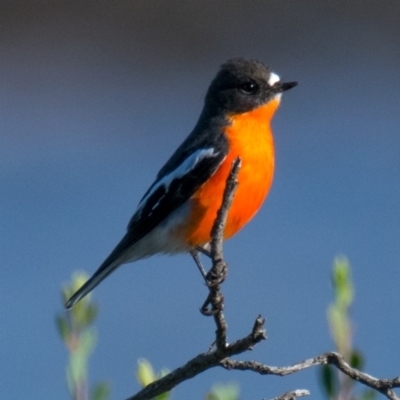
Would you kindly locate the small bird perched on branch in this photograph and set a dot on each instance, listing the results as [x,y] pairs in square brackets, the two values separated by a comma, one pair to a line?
[177,212]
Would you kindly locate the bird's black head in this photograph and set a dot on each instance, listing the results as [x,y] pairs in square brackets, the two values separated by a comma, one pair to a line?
[243,85]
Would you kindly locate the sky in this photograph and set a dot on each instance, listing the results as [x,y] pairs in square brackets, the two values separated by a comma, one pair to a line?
[94,98]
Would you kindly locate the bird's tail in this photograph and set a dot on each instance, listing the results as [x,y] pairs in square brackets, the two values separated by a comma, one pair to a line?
[91,283]
[117,257]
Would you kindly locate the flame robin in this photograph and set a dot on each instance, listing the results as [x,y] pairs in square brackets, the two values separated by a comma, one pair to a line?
[177,212]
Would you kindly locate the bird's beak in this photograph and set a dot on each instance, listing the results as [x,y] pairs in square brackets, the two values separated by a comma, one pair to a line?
[286,86]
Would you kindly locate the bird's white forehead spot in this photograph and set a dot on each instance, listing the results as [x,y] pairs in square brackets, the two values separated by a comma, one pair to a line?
[273,78]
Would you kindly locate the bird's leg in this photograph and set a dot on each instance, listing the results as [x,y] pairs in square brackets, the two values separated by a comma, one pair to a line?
[203,251]
[214,303]
[195,254]
[211,277]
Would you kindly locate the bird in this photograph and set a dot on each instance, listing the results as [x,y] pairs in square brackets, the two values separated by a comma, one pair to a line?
[178,210]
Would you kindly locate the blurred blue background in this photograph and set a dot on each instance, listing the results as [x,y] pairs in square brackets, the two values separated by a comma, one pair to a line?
[95,96]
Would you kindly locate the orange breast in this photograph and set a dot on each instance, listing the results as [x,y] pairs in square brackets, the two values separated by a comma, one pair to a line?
[250,138]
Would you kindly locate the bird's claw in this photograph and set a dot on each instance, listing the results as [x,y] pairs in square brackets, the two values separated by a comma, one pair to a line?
[216,275]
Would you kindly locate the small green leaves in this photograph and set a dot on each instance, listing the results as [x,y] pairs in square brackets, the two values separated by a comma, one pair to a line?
[145,375]
[75,329]
[229,391]
[62,326]
[338,311]
[356,360]
[100,391]
[342,284]
[338,386]
[85,311]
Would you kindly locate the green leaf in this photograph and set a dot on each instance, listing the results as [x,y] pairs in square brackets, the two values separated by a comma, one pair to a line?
[163,396]
[101,391]
[77,280]
[77,367]
[329,381]
[145,373]
[87,342]
[341,331]
[63,327]
[356,360]
[229,391]
[91,314]
[339,324]
[338,311]
[343,286]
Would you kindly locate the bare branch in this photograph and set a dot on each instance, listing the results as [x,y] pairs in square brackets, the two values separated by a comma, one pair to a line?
[384,386]
[220,355]
[293,395]
[220,358]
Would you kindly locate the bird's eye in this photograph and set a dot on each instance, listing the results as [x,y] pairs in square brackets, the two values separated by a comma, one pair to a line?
[249,87]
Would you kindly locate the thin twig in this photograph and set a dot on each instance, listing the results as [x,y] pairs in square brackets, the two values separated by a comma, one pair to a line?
[219,268]
[218,228]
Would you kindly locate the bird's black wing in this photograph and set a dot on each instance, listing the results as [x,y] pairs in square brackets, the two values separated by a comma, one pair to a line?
[177,181]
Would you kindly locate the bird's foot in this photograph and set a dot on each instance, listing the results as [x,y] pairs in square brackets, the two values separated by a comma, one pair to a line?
[217,274]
